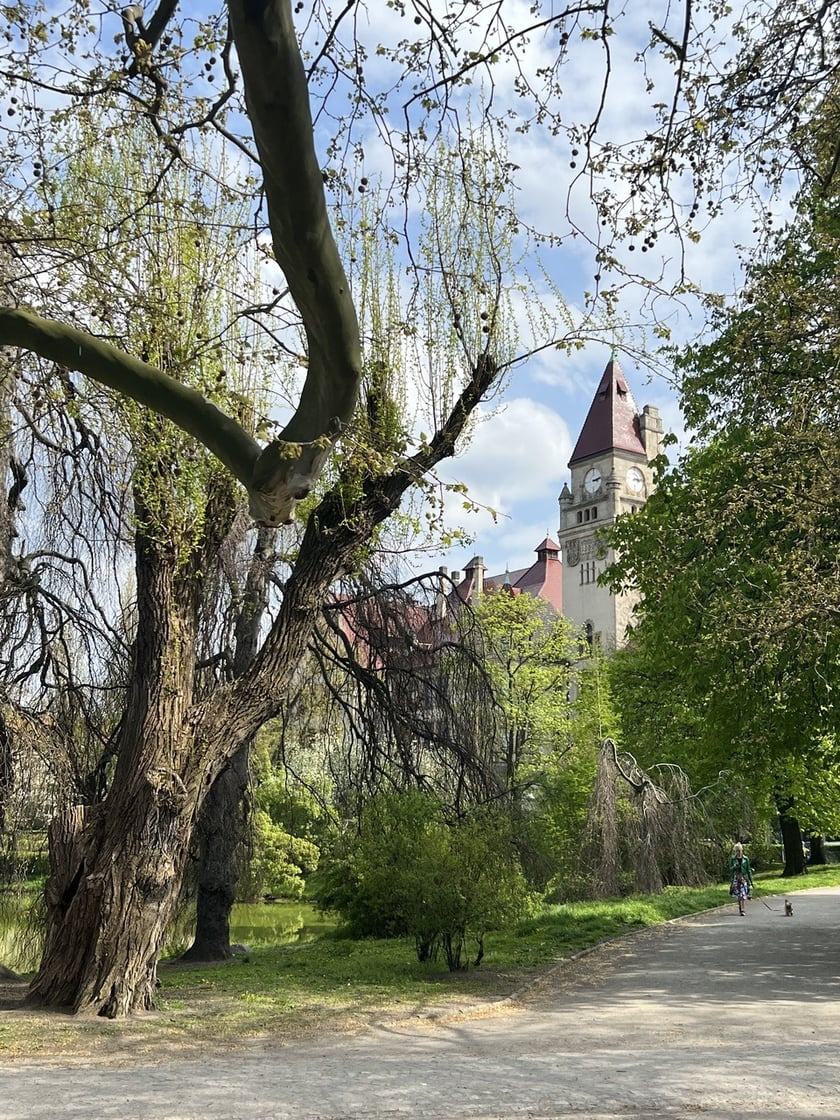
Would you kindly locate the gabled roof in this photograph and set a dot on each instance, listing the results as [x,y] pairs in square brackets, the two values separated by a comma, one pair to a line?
[613,419]
[543,580]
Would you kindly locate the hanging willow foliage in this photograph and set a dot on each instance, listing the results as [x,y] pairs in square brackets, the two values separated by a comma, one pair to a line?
[643,834]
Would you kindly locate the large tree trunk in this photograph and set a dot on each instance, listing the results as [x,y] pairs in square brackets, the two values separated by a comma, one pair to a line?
[113,885]
[7,772]
[222,824]
[793,853]
[116,867]
[219,839]
[817,857]
[13,476]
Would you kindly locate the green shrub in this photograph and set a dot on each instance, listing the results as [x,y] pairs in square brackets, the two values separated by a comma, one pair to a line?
[409,872]
[278,863]
[287,828]
[294,807]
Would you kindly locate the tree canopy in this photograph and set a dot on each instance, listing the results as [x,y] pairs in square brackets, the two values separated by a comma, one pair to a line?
[736,555]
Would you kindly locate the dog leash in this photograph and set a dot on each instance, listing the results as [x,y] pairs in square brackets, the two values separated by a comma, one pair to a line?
[772,909]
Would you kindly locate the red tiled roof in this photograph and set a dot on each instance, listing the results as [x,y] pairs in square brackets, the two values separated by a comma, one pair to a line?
[612,420]
[511,577]
[543,580]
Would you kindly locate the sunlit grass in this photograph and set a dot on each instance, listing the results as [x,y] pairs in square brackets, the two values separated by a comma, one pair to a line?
[333,969]
[313,980]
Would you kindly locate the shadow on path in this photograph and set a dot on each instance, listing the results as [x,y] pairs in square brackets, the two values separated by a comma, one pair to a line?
[715,1015]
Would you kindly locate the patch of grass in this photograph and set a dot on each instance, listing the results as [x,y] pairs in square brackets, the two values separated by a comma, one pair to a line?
[286,991]
[772,882]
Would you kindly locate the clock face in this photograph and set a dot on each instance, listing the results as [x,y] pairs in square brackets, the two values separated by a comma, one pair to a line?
[592,480]
[635,480]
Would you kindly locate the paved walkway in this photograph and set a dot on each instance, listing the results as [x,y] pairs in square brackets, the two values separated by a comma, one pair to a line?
[715,1016]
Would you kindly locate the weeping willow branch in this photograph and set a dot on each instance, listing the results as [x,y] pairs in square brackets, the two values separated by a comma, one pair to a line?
[413,696]
[643,835]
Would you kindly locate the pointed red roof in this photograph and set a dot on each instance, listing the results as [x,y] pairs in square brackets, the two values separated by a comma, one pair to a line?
[543,580]
[548,545]
[612,420]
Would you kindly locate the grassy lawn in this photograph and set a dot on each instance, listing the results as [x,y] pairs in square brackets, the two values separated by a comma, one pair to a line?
[316,982]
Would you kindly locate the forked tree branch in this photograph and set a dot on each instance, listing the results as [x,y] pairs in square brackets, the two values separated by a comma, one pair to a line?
[285,471]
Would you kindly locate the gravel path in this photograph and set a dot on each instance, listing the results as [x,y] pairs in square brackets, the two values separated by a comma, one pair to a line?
[715,1016]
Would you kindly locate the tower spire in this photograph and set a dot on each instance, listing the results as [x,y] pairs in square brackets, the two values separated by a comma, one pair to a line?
[612,422]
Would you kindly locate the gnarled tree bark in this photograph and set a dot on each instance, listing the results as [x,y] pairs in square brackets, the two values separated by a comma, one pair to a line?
[118,866]
[222,823]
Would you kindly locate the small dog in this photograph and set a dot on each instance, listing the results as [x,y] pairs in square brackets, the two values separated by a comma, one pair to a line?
[788,909]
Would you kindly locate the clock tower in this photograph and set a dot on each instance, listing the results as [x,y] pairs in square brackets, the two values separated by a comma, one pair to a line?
[610,474]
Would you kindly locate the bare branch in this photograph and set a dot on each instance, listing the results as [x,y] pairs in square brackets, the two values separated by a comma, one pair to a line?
[278,107]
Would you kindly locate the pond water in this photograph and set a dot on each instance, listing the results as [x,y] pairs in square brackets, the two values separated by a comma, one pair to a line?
[252,924]
[276,923]
[20,938]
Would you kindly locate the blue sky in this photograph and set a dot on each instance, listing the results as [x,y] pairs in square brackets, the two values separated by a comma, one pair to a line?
[515,462]
[517,459]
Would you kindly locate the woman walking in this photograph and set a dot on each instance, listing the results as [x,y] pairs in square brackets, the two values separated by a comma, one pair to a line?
[740,876]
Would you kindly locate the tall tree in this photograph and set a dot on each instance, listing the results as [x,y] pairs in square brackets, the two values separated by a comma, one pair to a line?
[555,711]
[116,868]
[103,931]
[737,557]
[530,653]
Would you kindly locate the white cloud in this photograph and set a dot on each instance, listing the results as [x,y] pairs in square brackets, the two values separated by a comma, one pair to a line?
[520,452]
[515,461]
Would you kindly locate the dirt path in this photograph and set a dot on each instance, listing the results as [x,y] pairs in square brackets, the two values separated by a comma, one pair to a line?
[717,1016]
